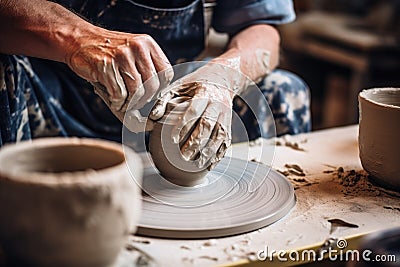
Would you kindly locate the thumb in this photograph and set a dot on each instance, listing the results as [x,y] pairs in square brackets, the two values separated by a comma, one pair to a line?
[101,91]
[160,106]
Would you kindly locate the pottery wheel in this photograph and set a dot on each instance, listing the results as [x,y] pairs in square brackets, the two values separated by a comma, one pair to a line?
[238,196]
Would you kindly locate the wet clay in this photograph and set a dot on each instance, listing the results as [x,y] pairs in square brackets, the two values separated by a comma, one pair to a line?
[72,197]
[379,141]
[166,154]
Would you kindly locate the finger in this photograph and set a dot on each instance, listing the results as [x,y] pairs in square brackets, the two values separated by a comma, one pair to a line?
[202,132]
[114,83]
[226,127]
[132,79]
[162,65]
[101,91]
[209,152]
[198,138]
[220,139]
[150,79]
[136,91]
[160,106]
[189,89]
[219,155]
[189,119]
[166,95]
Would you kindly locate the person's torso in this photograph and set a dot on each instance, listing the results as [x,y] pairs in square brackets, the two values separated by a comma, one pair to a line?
[178,26]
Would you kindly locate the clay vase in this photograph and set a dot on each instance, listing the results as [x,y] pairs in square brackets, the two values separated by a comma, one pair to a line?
[379,135]
[166,154]
[67,201]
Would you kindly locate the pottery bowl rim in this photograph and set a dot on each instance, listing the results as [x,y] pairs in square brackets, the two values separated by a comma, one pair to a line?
[63,178]
[366,96]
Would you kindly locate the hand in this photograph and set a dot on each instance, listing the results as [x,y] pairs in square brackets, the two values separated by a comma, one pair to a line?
[204,131]
[117,64]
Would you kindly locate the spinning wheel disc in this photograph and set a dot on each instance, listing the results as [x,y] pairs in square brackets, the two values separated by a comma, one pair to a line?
[239,196]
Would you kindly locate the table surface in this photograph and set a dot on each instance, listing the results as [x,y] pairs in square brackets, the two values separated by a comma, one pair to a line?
[321,196]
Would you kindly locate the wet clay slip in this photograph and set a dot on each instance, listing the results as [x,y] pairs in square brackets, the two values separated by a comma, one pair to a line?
[379,135]
[166,154]
[67,201]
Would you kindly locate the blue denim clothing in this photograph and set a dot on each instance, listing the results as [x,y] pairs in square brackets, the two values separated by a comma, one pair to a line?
[43,98]
[230,16]
[288,98]
[39,100]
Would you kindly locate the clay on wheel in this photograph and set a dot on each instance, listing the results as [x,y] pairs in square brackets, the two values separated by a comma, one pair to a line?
[167,156]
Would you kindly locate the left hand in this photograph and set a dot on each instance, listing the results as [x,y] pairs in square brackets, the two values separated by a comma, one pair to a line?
[204,130]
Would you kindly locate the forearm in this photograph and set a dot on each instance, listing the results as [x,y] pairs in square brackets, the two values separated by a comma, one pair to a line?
[257,47]
[39,28]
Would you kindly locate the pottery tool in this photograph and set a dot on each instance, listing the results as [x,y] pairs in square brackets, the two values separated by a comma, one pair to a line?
[237,196]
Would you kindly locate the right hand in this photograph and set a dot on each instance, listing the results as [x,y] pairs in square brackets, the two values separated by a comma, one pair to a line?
[204,129]
[117,64]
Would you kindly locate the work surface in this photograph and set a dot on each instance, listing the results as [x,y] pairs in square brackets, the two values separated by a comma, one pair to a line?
[325,170]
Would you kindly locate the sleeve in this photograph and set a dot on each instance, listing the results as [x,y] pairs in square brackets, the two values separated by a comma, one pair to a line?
[230,16]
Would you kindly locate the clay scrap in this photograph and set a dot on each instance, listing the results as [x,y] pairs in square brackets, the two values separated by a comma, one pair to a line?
[296,175]
[356,182]
[336,223]
[288,142]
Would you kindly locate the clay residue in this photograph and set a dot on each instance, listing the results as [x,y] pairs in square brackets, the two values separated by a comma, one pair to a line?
[292,169]
[210,243]
[136,256]
[256,142]
[192,260]
[392,208]
[208,258]
[240,251]
[336,223]
[256,161]
[286,141]
[295,169]
[356,182]
[296,175]
[140,241]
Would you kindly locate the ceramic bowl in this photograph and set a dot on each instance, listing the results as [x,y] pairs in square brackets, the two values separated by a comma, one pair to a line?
[166,154]
[67,201]
[379,135]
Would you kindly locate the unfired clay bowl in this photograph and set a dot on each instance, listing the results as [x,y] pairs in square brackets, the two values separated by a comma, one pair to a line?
[67,202]
[379,135]
[166,154]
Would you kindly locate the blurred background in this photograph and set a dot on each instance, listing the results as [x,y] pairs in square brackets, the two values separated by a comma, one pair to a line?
[340,47]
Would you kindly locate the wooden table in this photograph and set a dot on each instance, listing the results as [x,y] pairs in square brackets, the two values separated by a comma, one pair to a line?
[321,196]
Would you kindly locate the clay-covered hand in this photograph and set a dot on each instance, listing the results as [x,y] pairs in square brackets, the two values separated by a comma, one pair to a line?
[117,64]
[204,130]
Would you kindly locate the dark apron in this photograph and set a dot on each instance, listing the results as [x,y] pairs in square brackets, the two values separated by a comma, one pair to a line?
[179,32]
